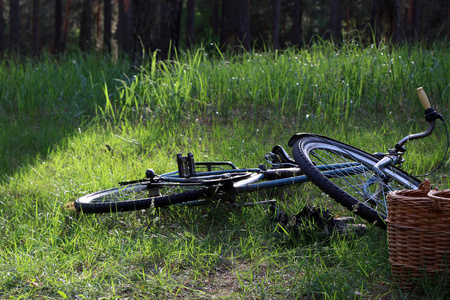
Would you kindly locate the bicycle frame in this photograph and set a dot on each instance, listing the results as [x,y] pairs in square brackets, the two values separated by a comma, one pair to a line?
[258,179]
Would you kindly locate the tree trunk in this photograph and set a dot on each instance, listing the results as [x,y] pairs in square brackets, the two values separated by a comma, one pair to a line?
[66,24]
[190,38]
[216,15]
[374,18]
[35,47]
[156,27]
[448,21]
[85,28]
[396,21]
[416,19]
[107,10]
[386,18]
[2,28]
[347,17]
[14,25]
[275,14]
[57,38]
[335,20]
[124,27]
[297,30]
[235,24]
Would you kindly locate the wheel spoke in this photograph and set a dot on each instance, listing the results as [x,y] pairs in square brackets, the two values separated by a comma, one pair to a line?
[348,175]
[365,186]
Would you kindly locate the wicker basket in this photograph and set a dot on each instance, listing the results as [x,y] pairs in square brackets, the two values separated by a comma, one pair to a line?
[419,233]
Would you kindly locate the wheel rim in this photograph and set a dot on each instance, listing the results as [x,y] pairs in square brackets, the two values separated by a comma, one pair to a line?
[357,180]
[135,192]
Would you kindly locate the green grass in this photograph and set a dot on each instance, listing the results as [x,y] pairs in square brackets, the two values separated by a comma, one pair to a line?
[83,123]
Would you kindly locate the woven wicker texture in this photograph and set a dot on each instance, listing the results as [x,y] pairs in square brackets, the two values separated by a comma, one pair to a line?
[419,232]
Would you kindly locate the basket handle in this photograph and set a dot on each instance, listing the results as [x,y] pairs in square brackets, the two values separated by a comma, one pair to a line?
[436,206]
[425,185]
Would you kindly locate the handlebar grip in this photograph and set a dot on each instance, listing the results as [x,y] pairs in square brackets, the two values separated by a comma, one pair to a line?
[423,98]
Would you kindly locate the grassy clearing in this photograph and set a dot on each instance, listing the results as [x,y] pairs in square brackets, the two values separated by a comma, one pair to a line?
[83,123]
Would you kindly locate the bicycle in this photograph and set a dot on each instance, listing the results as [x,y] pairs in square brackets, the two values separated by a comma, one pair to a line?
[357,180]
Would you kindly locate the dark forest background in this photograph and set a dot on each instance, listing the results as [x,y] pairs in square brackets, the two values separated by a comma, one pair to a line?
[134,26]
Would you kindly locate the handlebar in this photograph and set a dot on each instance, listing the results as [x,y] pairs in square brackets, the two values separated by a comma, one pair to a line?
[423,98]
[430,115]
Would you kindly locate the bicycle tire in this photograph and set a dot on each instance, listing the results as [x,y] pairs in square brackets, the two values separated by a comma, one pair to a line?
[138,196]
[315,154]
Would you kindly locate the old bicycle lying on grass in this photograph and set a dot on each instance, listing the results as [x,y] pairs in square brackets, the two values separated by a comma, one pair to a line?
[357,180]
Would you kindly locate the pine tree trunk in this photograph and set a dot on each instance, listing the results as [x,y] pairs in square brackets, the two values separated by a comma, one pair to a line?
[2,28]
[85,28]
[57,38]
[66,24]
[448,19]
[335,20]
[156,27]
[190,38]
[35,47]
[416,19]
[374,18]
[124,27]
[216,15]
[107,10]
[396,21]
[14,25]
[275,23]
[297,30]
[235,24]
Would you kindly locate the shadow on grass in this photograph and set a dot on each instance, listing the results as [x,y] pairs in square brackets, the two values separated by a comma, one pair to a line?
[25,141]
[43,101]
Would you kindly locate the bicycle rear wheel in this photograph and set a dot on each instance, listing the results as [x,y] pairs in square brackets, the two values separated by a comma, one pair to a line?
[347,175]
[142,196]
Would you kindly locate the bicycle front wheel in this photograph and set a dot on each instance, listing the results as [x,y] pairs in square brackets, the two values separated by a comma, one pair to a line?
[347,175]
[142,196]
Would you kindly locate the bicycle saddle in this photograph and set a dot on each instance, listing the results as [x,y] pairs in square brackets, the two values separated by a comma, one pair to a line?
[280,156]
